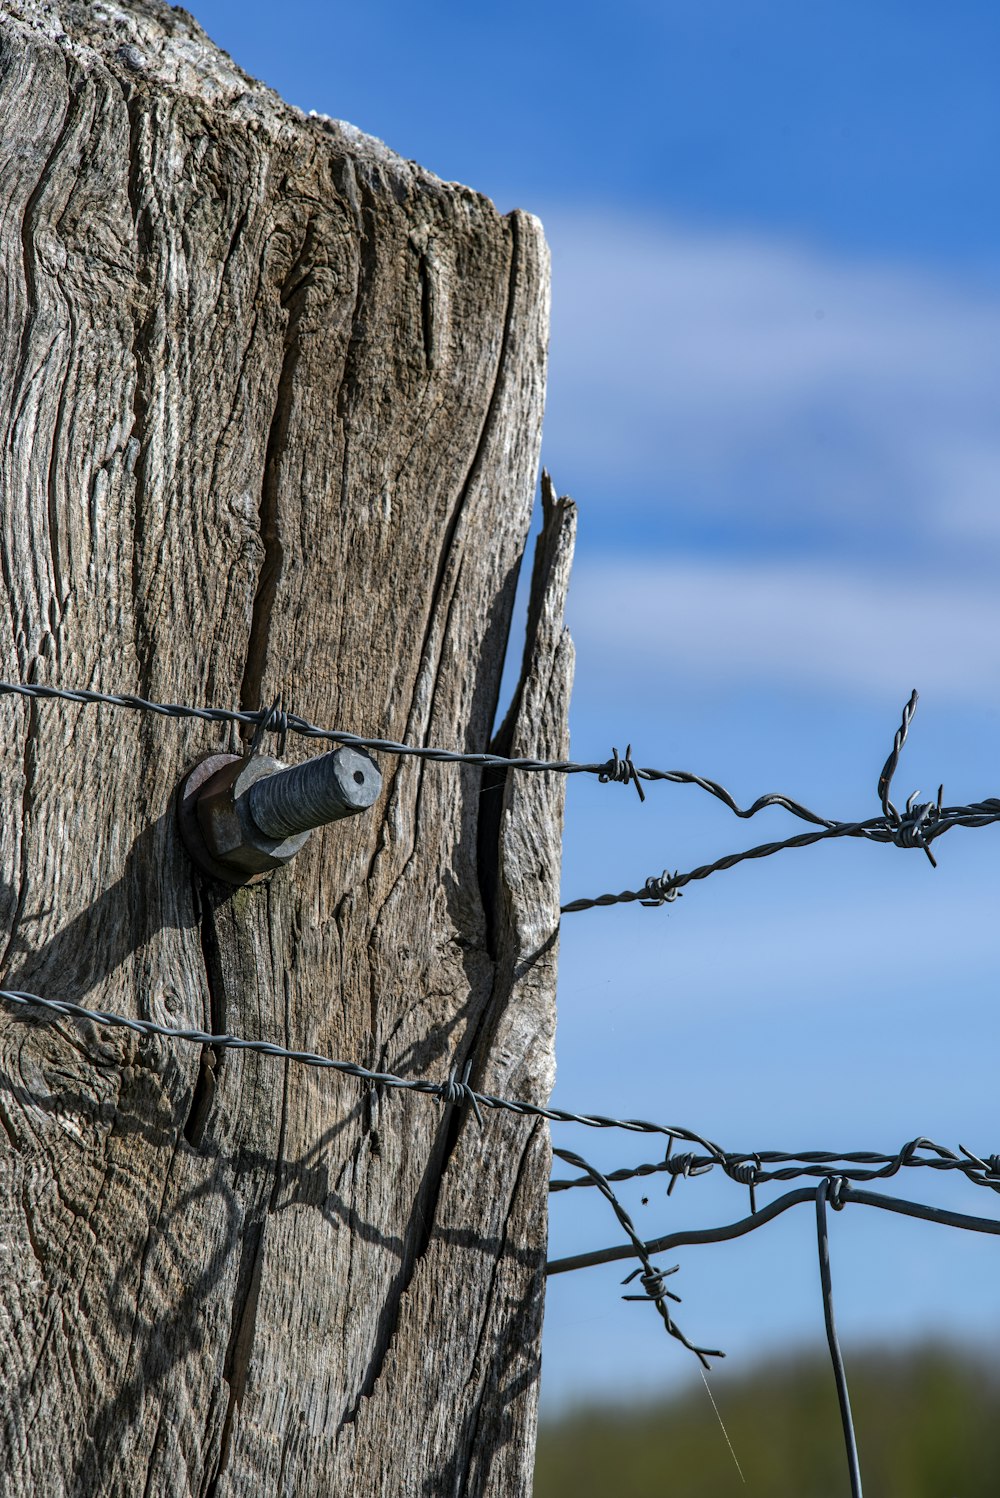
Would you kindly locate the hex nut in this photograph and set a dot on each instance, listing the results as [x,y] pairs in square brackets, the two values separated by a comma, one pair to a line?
[232,837]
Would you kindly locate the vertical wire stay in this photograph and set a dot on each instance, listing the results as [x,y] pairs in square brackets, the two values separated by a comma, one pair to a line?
[830,1188]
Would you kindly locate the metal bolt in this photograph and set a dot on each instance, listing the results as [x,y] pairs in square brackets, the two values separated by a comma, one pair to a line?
[241,818]
[319,791]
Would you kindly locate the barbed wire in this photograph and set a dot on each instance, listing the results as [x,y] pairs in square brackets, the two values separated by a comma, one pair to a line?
[917,826]
[276,720]
[747,1169]
[451,1090]
[650,1277]
[751,1170]
[833,1188]
[761,1215]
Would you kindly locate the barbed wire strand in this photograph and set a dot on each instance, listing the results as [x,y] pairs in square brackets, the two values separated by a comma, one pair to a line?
[745,1169]
[650,1277]
[276,719]
[917,826]
[451,1090]
[837,1189]
[854,1165]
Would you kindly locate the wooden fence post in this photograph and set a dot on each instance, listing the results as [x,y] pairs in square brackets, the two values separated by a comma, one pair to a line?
[270,403]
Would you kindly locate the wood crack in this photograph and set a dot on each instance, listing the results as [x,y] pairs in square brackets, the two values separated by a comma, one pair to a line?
[29,226]
[8,1129]
[296,282]
[33,1242]
[212,1057]
[425,277]
[142,329]
[545,578]
[237,1365]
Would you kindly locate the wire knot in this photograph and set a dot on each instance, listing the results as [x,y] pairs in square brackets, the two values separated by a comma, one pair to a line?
[743,1172]
[460,1093]
[661,890]
[651,1280]
[837,1188]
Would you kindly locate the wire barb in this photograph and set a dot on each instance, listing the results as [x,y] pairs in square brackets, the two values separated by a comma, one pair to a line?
[889,768]
[661,890]
[650,1277]
[622,771]
[457,1094]
[271,720]
[652,1284]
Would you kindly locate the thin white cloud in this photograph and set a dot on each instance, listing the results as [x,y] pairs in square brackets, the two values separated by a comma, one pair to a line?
[791,624]
[736,372]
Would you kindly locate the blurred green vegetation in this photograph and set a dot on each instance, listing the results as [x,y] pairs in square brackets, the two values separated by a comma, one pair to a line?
[927,1423]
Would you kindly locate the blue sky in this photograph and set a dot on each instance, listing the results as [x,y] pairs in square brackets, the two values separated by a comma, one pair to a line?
[774,393]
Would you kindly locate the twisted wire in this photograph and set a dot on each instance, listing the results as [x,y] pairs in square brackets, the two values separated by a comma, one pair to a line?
[851,1165]
[616,770]
[917,826]
[918,830]
[450,1090]
[275,719]
[651,1277]
[744,1168]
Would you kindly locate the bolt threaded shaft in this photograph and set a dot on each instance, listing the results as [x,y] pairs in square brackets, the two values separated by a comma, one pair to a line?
[320,790]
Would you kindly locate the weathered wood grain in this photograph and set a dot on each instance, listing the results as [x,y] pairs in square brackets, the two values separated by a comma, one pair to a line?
[270,402]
